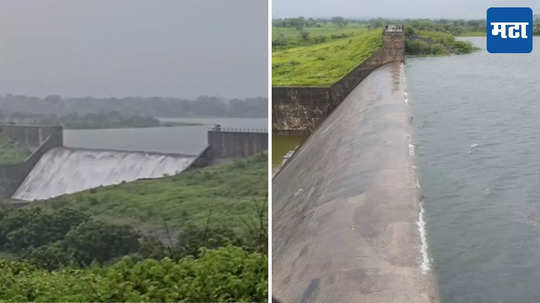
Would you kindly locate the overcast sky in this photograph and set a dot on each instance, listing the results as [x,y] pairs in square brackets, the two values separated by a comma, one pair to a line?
[455,9]
[177,48]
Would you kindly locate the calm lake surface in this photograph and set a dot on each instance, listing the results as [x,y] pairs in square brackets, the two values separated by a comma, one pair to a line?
[181,139]
[477,131]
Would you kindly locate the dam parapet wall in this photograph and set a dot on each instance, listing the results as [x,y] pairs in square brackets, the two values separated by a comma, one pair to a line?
[39,139]
[300,109]
[237,143]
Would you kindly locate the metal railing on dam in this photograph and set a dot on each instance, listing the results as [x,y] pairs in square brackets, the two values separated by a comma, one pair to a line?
[347,219]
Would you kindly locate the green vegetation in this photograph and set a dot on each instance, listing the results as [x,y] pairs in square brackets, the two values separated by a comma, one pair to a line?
[285,36]
[319,52]
[434,43]
[198,236]
[134,110]
[227,274]
[227,194]
[325,63]
[281,145]
[11,152]
[472,34]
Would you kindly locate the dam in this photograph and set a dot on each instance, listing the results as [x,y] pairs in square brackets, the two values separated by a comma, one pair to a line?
[348,221]
[64,171]
[53,170]
[347,206]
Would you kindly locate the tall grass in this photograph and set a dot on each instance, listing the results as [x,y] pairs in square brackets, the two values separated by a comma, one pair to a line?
[325,63]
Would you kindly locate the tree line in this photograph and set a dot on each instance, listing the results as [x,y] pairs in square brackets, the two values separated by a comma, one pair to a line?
[134,106]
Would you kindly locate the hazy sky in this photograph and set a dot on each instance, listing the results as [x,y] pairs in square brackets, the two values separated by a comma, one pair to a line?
[462,9]
[177,48]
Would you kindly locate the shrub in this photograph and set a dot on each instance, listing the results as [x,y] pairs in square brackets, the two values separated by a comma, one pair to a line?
[228,274]
[30,228]
[417,47]
[97,241]
[192,238]
[462,47]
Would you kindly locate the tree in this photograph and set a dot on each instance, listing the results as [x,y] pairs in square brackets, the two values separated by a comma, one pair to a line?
[97,241]
[339,21]
[304,35]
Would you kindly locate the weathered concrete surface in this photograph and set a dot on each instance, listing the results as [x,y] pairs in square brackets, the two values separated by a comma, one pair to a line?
[345,207]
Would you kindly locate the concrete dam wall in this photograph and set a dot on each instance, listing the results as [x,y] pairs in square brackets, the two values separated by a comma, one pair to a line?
[63,171]
[347,215]
[38,139]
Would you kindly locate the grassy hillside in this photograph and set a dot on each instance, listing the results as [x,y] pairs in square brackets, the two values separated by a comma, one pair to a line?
[290,37]
[11,153]
[325,63]
[226,195]
[104,245]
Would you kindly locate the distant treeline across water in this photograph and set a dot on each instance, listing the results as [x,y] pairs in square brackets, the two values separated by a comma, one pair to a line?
[134,106]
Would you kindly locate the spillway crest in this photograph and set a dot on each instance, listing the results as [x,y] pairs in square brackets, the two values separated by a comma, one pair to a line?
[63,171]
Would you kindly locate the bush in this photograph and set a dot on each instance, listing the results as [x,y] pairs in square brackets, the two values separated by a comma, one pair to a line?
[31,228]
[97,241]
[462,47]
[192,238]
[417,47]
[228,274]
[437,49]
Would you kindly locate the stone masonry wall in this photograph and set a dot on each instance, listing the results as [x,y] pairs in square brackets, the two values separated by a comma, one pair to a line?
[302,109]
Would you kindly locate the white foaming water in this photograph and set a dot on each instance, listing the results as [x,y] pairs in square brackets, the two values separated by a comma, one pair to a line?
[425,266]
[411,150]
[62,171]
[421,223]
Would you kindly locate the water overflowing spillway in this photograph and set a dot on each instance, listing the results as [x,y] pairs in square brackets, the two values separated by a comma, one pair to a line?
[62,171]
[348,224]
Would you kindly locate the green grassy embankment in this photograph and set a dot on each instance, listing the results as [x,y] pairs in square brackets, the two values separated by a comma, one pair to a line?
[291,37]
[325,63]
[223,195]
[10,152]
[434,43]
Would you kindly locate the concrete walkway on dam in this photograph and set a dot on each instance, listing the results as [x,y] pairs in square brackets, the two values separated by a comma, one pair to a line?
[346,207]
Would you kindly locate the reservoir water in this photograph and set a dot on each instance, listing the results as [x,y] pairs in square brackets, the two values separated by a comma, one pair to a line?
[181,139]
[477,134]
